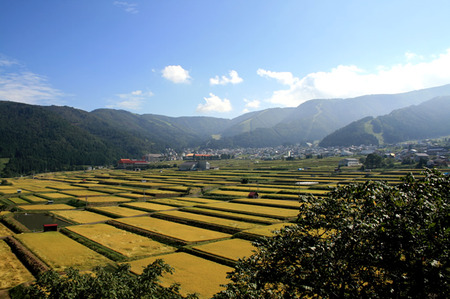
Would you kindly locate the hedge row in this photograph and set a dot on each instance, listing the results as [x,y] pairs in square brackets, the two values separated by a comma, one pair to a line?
[31,261]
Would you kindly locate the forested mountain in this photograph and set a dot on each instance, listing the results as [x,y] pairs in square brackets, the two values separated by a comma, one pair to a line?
[427,120]
[46,138]
[315,119]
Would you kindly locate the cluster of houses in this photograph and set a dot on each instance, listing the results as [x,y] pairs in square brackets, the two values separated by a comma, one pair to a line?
[427,152]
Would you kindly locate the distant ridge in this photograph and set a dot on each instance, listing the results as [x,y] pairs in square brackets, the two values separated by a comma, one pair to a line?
[49,138]
[427,120]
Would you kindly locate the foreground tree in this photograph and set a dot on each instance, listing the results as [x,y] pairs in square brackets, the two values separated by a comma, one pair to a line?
[368,240]
[104,283]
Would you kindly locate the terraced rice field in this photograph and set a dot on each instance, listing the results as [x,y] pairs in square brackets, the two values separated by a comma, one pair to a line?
[119,211]
[4,231]
[289,204]
[273,212]
[232,249]
[104,199]
[44,207]
[33,198]
[207,221]
[53,195]
[173,231]
[59,251]
[17,200]
[12,271]
[194,274]
[83,193]
[78,216]
[147,206]
[264,231]
[121,241]
[232,215]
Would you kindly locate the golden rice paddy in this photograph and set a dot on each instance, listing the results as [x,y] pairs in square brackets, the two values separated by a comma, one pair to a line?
[253,210]
[270,202]
[53,195]
[119,211]
[194,274]
[103,199]
[45,207]
[266,231]
[121,241]
[148,206]
[59,251]
[176,231]
[232,215]
[209,220]
[78,216]
[12,271]
[34,199]
[17,200]
[82,193]
[4,231]
[232,249]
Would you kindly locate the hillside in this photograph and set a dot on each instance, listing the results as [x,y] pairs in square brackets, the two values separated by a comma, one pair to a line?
[427,120]
[315,119]
[46,138]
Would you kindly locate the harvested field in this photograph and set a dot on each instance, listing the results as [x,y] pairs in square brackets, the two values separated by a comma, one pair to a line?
[12,271]
[118,211]
[78,216]
[217,223]
[59,251]
[121,241]
[45,207]
[194,274]
[175,232]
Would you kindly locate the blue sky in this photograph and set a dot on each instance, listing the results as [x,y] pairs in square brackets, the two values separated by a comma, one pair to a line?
[217,58]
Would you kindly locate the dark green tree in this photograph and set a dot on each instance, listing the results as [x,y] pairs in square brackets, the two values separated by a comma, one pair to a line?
[366,240]
[103,284]
[373,161]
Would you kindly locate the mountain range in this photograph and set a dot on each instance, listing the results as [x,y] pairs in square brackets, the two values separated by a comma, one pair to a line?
[48,138]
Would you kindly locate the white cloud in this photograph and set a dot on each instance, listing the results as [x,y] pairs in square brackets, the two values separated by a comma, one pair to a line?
[214,104]
[131,101]
[252,104]
[346,81]
[126,6]
[176,74]
[18,84]
[233,79]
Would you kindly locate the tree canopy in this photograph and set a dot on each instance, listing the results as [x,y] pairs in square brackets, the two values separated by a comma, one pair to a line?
[104,283]
[365,240]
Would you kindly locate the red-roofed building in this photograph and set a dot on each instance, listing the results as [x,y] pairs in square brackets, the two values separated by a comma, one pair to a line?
[130,163]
